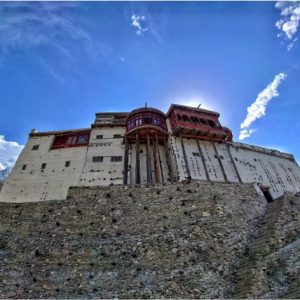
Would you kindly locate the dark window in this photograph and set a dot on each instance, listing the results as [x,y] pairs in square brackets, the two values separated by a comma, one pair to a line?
[116,136]
[267,195]
[24,167]
[203,121]
[147,120]
[82,139]
[43,166]
[35,147]
[179,117]
[196,153]
[97,158]
[116,158]
[99,137]
[67,164]
[185,118]
[195,120]
[211,123]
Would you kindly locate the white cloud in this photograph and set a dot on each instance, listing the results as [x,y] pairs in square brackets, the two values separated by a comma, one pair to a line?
[138,21]
[9,152]
[244,133]
[289,23]
[258,108]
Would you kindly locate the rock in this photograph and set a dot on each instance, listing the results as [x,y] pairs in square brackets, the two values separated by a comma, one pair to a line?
[11,294]
[205,214]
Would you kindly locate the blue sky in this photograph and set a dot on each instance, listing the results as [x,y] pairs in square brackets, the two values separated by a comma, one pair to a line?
[62,62]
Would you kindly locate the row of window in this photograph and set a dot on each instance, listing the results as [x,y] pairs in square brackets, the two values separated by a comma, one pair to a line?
[68,162]
[63,141]
[147,119]
[43,166]
[73,140]
[112,158]
[115,136]
[195,120]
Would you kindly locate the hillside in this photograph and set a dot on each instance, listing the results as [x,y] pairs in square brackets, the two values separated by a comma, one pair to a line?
[195,240]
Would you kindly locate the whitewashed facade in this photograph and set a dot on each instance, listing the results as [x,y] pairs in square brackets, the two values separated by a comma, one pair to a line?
[119,148]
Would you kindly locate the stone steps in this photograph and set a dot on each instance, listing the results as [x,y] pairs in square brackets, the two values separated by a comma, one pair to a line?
[258,248]
[293,291]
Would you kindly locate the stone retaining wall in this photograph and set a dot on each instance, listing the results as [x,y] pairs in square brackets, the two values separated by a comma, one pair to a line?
[175,241]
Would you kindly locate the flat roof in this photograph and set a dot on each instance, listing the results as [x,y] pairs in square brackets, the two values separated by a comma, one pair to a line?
[192,108]
[56,132]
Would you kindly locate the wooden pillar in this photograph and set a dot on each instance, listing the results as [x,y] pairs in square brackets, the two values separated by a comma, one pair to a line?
[148,155]
[203,161]
[155,160]
[159,160]
[220,162]
[185,158]
[137,160]
[234,165]
[168,159]
[125,169]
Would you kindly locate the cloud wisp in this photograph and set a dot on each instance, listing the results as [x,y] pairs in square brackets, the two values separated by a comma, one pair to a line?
[138,22]
[289,22]
[52,30]
[258,108]
[9,152]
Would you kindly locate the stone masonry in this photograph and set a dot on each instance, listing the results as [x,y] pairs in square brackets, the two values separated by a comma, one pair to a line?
[173,241]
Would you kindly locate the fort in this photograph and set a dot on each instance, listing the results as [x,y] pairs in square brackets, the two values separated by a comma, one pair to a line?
[145,147]
[150,205]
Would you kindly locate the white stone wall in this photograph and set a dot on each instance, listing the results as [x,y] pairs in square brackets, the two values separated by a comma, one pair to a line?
[250,164]
[52,183]
[143,164]
[216,162]
[227,162]
[106,172]
[267,167]
[179,165]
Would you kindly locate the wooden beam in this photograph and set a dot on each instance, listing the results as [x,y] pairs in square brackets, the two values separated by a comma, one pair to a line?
[220,162]
[148,156]
[168,159]
[234,165]
[155,160]
[185,158]
[160,163]
[137,160]
[203,161]
[125,169]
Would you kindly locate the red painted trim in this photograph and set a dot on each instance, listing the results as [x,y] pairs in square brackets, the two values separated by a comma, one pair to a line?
[70,140]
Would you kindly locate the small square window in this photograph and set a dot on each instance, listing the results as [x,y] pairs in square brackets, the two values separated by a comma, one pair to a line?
[99,137]
[43,167]
[67,164]
[117,136]
[97,158]
[116,158]
[24,167]
[35,147]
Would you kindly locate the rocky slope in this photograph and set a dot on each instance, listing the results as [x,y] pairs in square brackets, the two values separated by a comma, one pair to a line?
[175,241]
